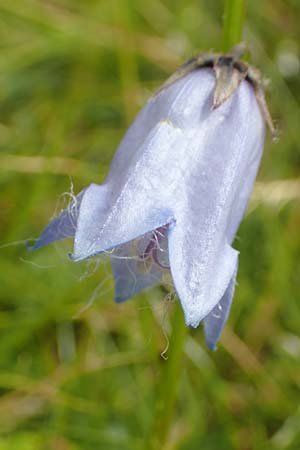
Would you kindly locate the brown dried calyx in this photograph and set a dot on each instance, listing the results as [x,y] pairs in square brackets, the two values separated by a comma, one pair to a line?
[229,71]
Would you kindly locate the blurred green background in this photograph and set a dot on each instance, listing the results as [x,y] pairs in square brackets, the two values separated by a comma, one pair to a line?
[77,371]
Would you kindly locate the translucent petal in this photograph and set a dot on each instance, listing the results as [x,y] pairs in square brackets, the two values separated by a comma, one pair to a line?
[133,273]
[185,104]
[63,226]
[214,192]
[214,322]
[200,275]
[141,204]
[146,173]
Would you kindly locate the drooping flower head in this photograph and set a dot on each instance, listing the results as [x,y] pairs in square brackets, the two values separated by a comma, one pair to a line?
[177,190]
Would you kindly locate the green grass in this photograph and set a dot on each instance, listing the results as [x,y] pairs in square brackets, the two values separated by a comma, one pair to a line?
[77,371]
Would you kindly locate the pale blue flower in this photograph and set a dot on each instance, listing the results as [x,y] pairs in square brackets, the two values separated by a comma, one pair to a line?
[174,197]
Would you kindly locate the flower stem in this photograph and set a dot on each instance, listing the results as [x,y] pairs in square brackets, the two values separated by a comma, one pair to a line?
[234,11]
[169,381]
[171,368]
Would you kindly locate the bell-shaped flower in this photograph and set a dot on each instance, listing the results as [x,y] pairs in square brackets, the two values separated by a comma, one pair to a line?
[174,197]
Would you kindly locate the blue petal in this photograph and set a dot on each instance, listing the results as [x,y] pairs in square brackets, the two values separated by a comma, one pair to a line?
[131,273]
[201,275]
[214,322]
[213,192]
[181,104]
[136,201]
[62,227]
[145,170]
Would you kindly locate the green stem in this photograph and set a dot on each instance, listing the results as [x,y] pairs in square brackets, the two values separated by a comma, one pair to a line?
[171,369]
[169,380]
[234,11]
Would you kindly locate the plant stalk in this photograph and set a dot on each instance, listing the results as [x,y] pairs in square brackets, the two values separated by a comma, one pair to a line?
[234,12]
